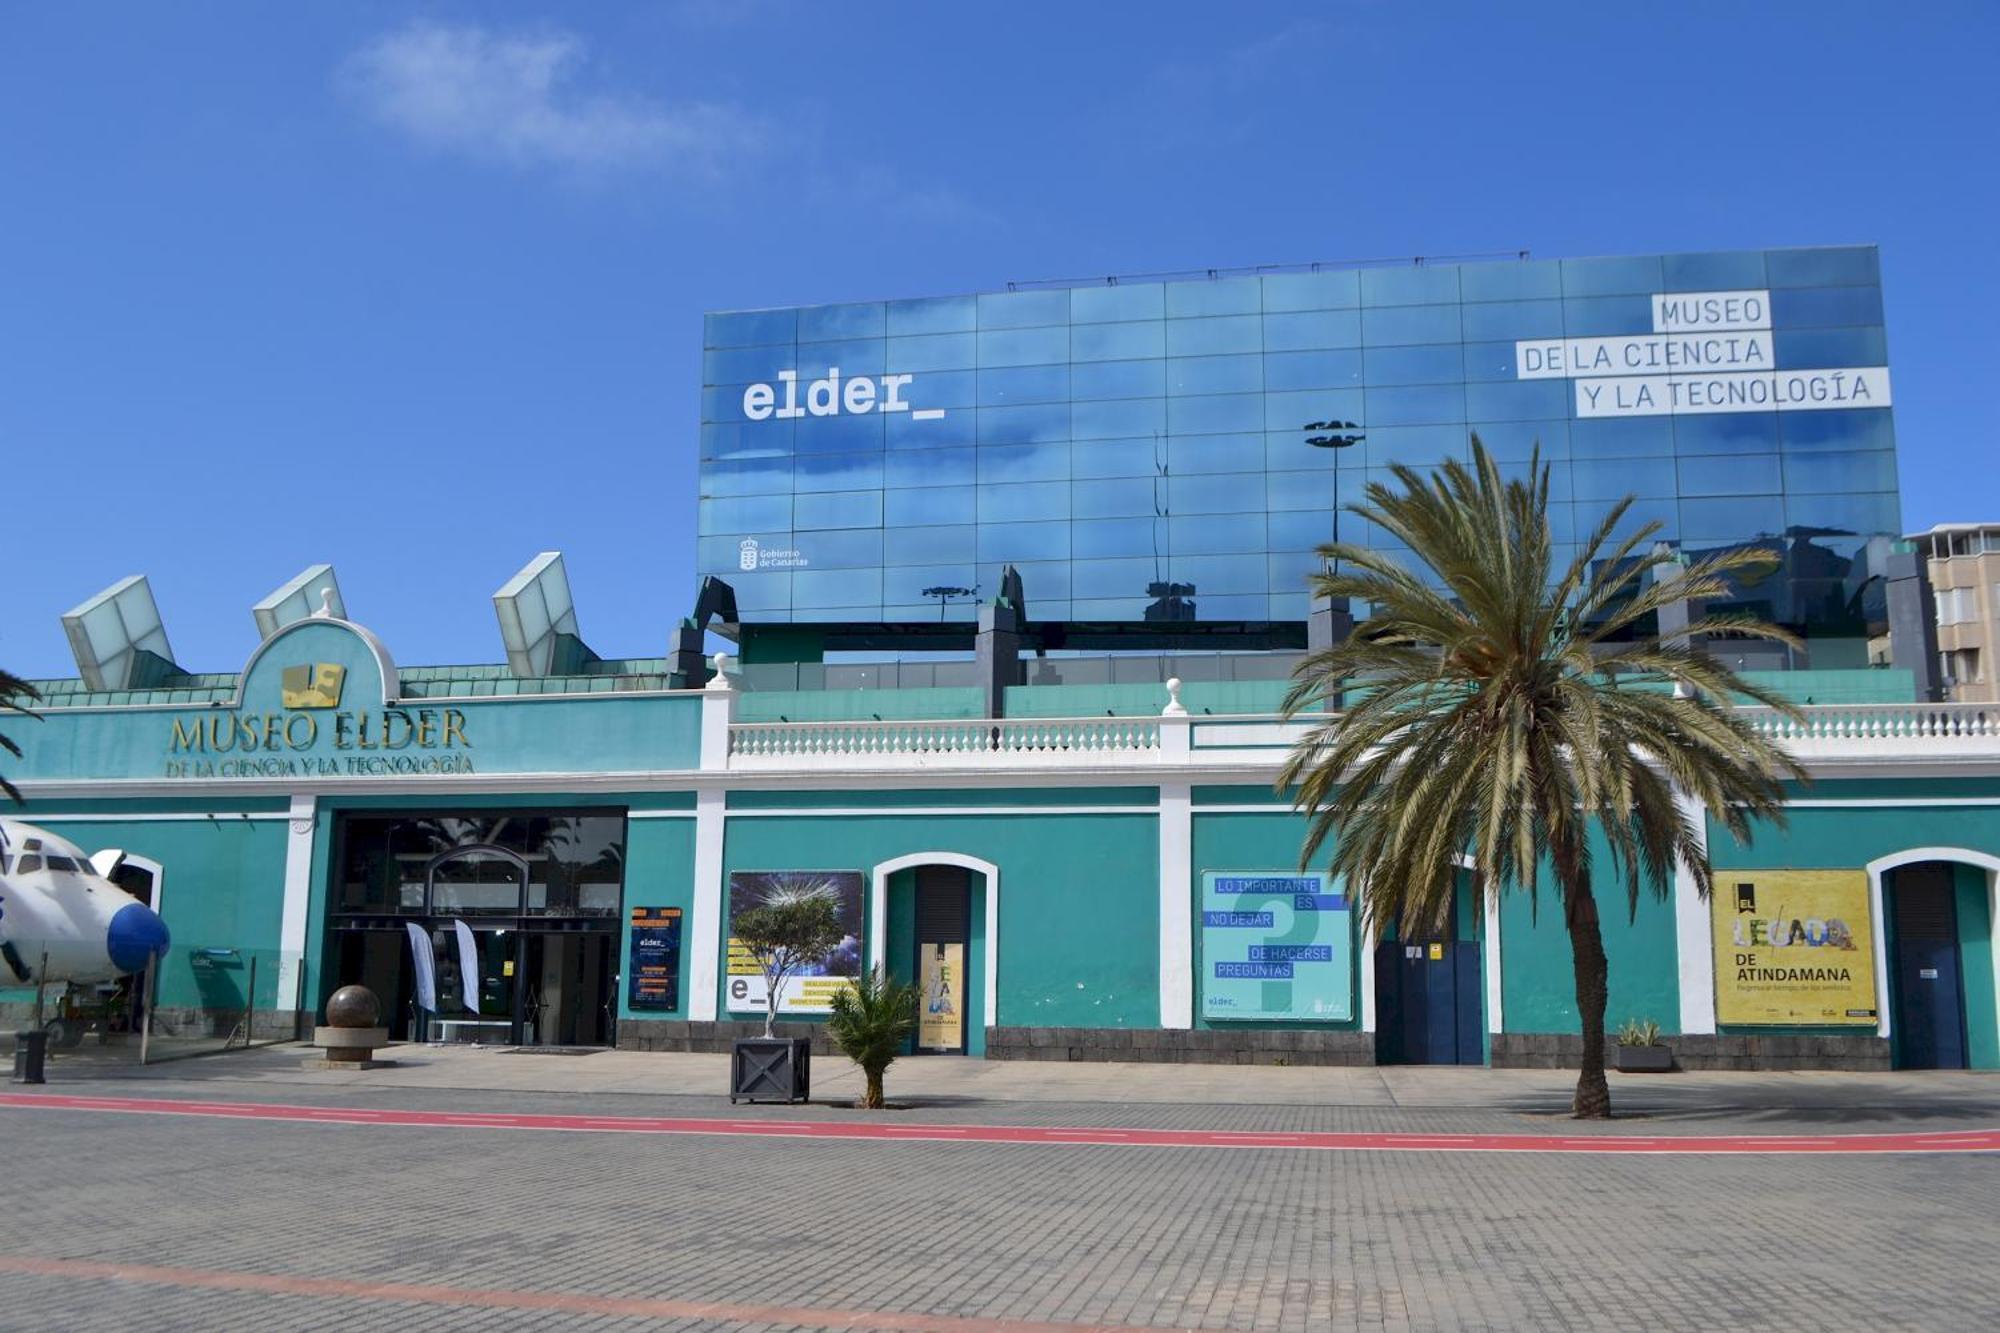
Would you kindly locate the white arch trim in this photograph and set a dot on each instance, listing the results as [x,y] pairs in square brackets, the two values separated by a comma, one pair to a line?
[1883,865]
[878,914]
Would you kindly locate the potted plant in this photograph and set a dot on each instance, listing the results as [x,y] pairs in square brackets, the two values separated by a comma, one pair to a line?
[871,1020]
[786,933]
[1640,1050]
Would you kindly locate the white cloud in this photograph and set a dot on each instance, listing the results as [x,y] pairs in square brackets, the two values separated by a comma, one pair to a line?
[516,99]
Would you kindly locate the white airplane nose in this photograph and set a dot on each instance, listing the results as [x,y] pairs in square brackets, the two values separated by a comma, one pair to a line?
[135,937]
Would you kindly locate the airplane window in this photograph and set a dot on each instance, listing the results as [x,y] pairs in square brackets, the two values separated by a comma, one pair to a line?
[62,863]
[30,864]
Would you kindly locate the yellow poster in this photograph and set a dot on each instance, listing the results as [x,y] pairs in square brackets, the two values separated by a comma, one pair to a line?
[941,1014]
[1793,947]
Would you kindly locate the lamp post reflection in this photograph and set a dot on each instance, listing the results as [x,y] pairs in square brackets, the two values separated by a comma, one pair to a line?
[944,596]
[1334,435]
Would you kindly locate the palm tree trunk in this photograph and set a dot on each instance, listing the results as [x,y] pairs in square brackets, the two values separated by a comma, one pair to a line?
[1586,946]
[871,1098]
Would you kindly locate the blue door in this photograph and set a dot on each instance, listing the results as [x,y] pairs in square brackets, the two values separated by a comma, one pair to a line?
[1427,997]
[1927,1025]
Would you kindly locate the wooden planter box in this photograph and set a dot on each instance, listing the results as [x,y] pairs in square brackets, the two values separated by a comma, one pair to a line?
[1642,1059]
[770,1069]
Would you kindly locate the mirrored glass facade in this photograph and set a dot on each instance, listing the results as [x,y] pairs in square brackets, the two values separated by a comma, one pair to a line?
[1172,453]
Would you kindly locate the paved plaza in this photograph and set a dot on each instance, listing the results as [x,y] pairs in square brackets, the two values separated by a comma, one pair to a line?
[221,1221]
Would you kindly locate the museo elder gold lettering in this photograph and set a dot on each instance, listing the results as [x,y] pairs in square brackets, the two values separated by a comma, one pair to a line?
[392,729]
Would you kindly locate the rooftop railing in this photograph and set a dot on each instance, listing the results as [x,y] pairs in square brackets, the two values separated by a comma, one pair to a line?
[1892,723]
[1026,742]
[1824,732]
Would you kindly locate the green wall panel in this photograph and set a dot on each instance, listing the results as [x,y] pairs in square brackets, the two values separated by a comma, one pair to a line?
[902,945]
[1079,899]
[1217,697]
[1838,837]
[659,872]
[1538,975]
[1262,793]
[859,705]
[1869,685]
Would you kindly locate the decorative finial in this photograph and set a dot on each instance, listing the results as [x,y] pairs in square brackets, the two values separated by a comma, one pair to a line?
[720,680]
[325,611]
[1174,707]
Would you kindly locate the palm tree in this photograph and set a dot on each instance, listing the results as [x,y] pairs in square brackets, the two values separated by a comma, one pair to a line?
[13,690]
[870,1021]
[1517,706]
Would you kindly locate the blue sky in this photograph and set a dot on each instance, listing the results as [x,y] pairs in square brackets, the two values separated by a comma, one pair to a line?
[417,289]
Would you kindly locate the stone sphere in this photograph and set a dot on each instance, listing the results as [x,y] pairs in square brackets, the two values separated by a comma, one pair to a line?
[353,1007]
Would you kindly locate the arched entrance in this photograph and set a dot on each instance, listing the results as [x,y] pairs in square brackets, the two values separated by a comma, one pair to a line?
[1934,910]
[934,920]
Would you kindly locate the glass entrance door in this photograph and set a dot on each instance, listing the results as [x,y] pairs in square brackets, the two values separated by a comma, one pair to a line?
[565,987]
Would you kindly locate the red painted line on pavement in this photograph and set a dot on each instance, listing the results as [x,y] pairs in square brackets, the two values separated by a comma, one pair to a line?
[558,1302]
[1974,1140]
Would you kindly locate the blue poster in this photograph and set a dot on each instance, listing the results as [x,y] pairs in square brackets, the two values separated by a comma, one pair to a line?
[656,958]
[1276,946]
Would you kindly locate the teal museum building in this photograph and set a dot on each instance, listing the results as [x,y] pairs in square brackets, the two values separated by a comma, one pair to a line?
[1010,628]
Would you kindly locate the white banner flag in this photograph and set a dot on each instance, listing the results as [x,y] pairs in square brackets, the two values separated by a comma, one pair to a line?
[426,963]
[468,965]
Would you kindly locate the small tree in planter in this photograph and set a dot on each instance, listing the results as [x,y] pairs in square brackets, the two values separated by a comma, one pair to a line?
[870,1020]
[792,929]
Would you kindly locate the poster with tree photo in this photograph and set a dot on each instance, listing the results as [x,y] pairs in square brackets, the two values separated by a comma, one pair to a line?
[811,991]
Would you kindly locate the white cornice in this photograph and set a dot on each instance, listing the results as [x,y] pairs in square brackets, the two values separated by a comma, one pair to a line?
[1204,771]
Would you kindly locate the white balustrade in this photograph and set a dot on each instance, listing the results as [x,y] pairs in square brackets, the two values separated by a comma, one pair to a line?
[1017,742]
[1866,728]
[1829,732]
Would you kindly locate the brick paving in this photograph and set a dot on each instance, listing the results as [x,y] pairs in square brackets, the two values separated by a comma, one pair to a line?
[1182,1238]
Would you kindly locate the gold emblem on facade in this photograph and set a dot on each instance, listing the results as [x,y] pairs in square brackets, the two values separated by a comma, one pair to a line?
[312,685]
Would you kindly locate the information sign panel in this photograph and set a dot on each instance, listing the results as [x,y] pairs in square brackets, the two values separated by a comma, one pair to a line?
[1276,946]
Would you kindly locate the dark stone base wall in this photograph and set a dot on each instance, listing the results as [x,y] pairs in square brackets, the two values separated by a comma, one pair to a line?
[265,1024]
[671,1034]
[1546,1050]
[1317,1047]
[182,1021]
[1217,1047]
[1200,1046]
